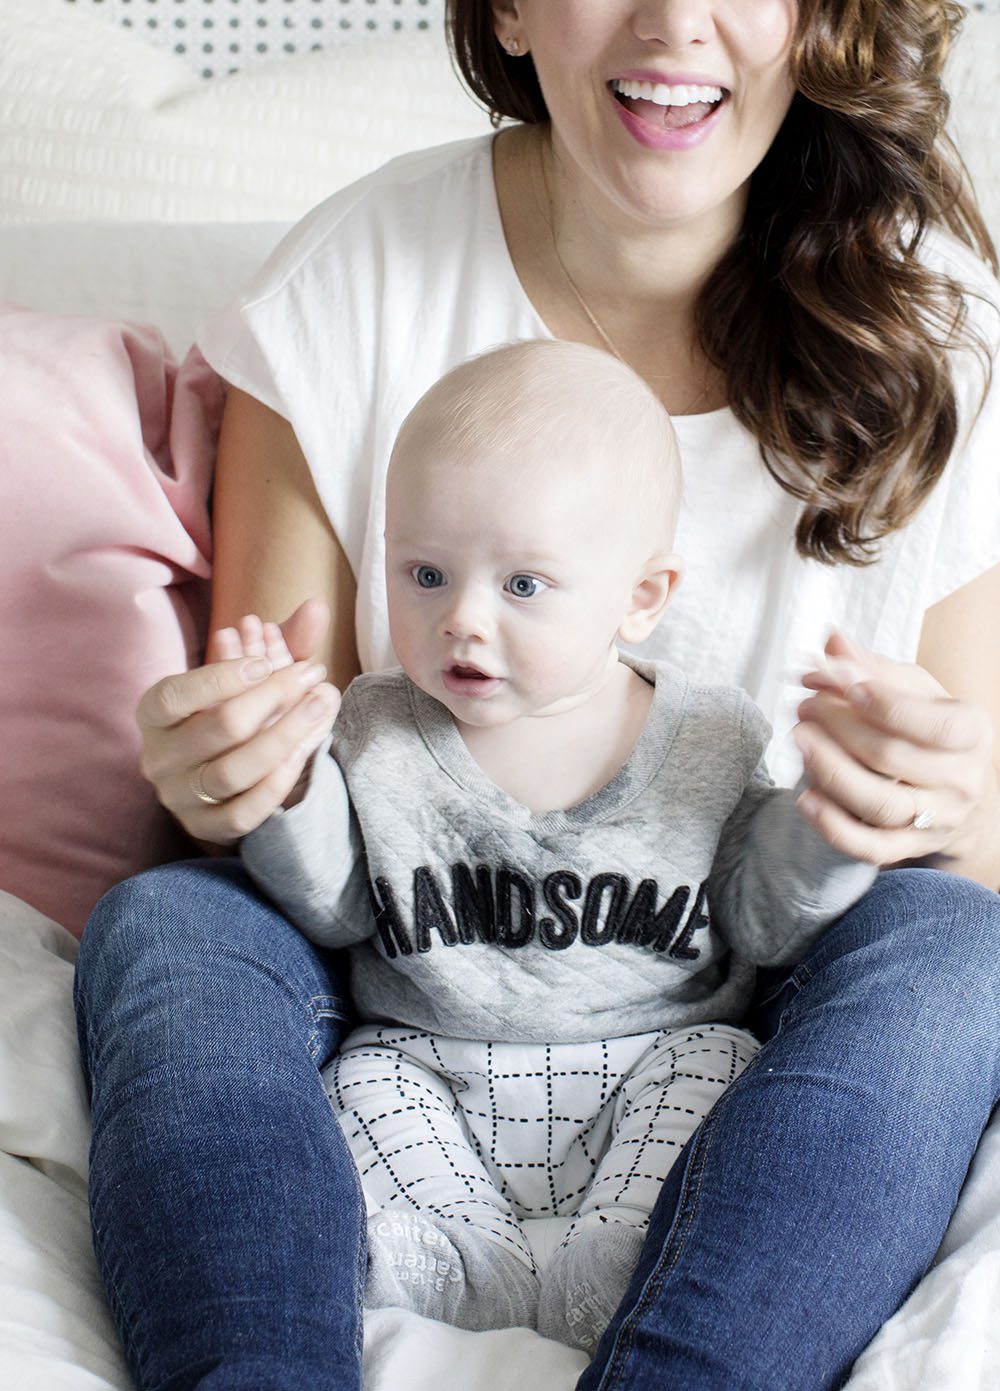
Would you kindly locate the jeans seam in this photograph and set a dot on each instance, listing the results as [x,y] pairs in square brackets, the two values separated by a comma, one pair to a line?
[320,1007]
[798,978]
[671,1251]
[136,1356]
[360,1273]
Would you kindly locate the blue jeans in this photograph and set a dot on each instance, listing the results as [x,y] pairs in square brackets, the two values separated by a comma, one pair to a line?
[226,1208]
[813,1197]
[228,1220]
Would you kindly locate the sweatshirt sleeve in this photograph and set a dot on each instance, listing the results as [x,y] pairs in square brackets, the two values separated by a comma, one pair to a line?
[310,860]
[775,883]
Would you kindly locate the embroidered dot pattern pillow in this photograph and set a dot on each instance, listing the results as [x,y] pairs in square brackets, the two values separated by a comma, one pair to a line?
[218,37]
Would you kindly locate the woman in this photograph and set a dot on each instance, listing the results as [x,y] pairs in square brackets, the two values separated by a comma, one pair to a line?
[731,196]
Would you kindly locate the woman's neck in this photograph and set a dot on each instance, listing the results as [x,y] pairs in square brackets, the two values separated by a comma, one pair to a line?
[640,283]
[664,268]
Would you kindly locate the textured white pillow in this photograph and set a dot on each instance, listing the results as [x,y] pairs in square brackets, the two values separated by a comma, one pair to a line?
[96,123]
[211,40]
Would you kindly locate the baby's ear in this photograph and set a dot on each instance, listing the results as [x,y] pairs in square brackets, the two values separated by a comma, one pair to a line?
[651,595]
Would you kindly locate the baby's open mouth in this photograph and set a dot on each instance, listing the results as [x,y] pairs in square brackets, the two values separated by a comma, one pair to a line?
[669,107]
[466,679]
[465,672]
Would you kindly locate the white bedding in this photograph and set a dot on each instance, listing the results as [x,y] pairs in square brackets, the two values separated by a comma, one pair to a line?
[55,1333]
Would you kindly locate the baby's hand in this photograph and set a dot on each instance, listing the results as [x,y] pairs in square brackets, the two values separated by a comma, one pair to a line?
[252,638]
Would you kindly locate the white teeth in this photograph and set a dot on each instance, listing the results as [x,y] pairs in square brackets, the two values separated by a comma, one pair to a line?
[662,95]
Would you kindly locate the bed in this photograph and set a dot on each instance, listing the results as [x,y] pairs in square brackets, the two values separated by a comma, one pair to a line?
[135,195]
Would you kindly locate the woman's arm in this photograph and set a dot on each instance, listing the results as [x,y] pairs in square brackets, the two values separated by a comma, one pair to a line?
[960,647]
[886,741]
[274,546]
[225,744]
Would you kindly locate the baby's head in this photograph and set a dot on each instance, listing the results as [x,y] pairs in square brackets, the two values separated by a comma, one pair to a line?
[531,505]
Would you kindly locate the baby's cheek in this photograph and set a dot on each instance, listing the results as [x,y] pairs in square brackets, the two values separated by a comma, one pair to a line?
[545,664]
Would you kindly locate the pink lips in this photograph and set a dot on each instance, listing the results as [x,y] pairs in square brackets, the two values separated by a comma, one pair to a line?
[657,137]
[466,680]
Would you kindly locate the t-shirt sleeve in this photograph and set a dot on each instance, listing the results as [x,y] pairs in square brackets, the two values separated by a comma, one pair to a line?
[967,501]
[231,346]
[303,338]
[264,341]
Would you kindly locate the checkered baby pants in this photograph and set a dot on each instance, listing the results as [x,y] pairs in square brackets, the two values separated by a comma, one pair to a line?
[491,1133]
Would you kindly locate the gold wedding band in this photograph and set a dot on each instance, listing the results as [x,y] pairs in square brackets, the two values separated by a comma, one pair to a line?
[197,786]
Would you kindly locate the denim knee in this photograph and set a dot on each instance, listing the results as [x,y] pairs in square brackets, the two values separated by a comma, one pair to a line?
[196,942]
[144,923]
[923,917]
[186,895]
[919,958]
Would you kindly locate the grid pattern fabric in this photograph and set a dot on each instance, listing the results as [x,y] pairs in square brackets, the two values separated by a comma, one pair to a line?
[218,37]
[493,1133]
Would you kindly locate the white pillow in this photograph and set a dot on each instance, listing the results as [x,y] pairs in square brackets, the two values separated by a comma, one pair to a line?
[43,1105]
[212,44]
[176,275]
[96,123]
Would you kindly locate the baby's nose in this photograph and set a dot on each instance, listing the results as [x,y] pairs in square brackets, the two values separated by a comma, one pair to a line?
[469,617]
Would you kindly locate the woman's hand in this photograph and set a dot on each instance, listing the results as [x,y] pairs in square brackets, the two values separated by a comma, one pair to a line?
[225,744]
[897,768]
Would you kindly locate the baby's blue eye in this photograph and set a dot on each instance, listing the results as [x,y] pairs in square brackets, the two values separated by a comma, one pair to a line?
[427,576]
[525,586]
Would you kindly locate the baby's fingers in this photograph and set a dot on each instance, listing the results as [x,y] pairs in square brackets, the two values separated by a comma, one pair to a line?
[251,637]
[276,648]
[224,645]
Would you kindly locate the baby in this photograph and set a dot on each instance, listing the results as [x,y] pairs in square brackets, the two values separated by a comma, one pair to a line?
[553,866]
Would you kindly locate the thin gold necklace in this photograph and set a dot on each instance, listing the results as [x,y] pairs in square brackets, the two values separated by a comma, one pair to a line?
[592,318]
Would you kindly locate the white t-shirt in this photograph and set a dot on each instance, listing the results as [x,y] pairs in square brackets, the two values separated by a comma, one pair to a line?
[391,282]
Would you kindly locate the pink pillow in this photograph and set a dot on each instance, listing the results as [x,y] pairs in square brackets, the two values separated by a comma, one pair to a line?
[106,453]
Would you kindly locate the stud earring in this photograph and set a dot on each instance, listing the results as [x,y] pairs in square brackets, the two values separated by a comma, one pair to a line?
[513,47]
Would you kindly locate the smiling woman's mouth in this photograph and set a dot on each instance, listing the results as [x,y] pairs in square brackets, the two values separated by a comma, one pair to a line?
[668,107]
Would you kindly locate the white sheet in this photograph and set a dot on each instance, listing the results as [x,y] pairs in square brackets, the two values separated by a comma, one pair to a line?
[56,1335]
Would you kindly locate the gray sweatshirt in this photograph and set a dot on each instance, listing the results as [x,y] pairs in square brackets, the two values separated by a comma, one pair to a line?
[463,913]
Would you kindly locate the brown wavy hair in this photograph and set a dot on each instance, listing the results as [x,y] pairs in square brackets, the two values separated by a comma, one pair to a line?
[833,335]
